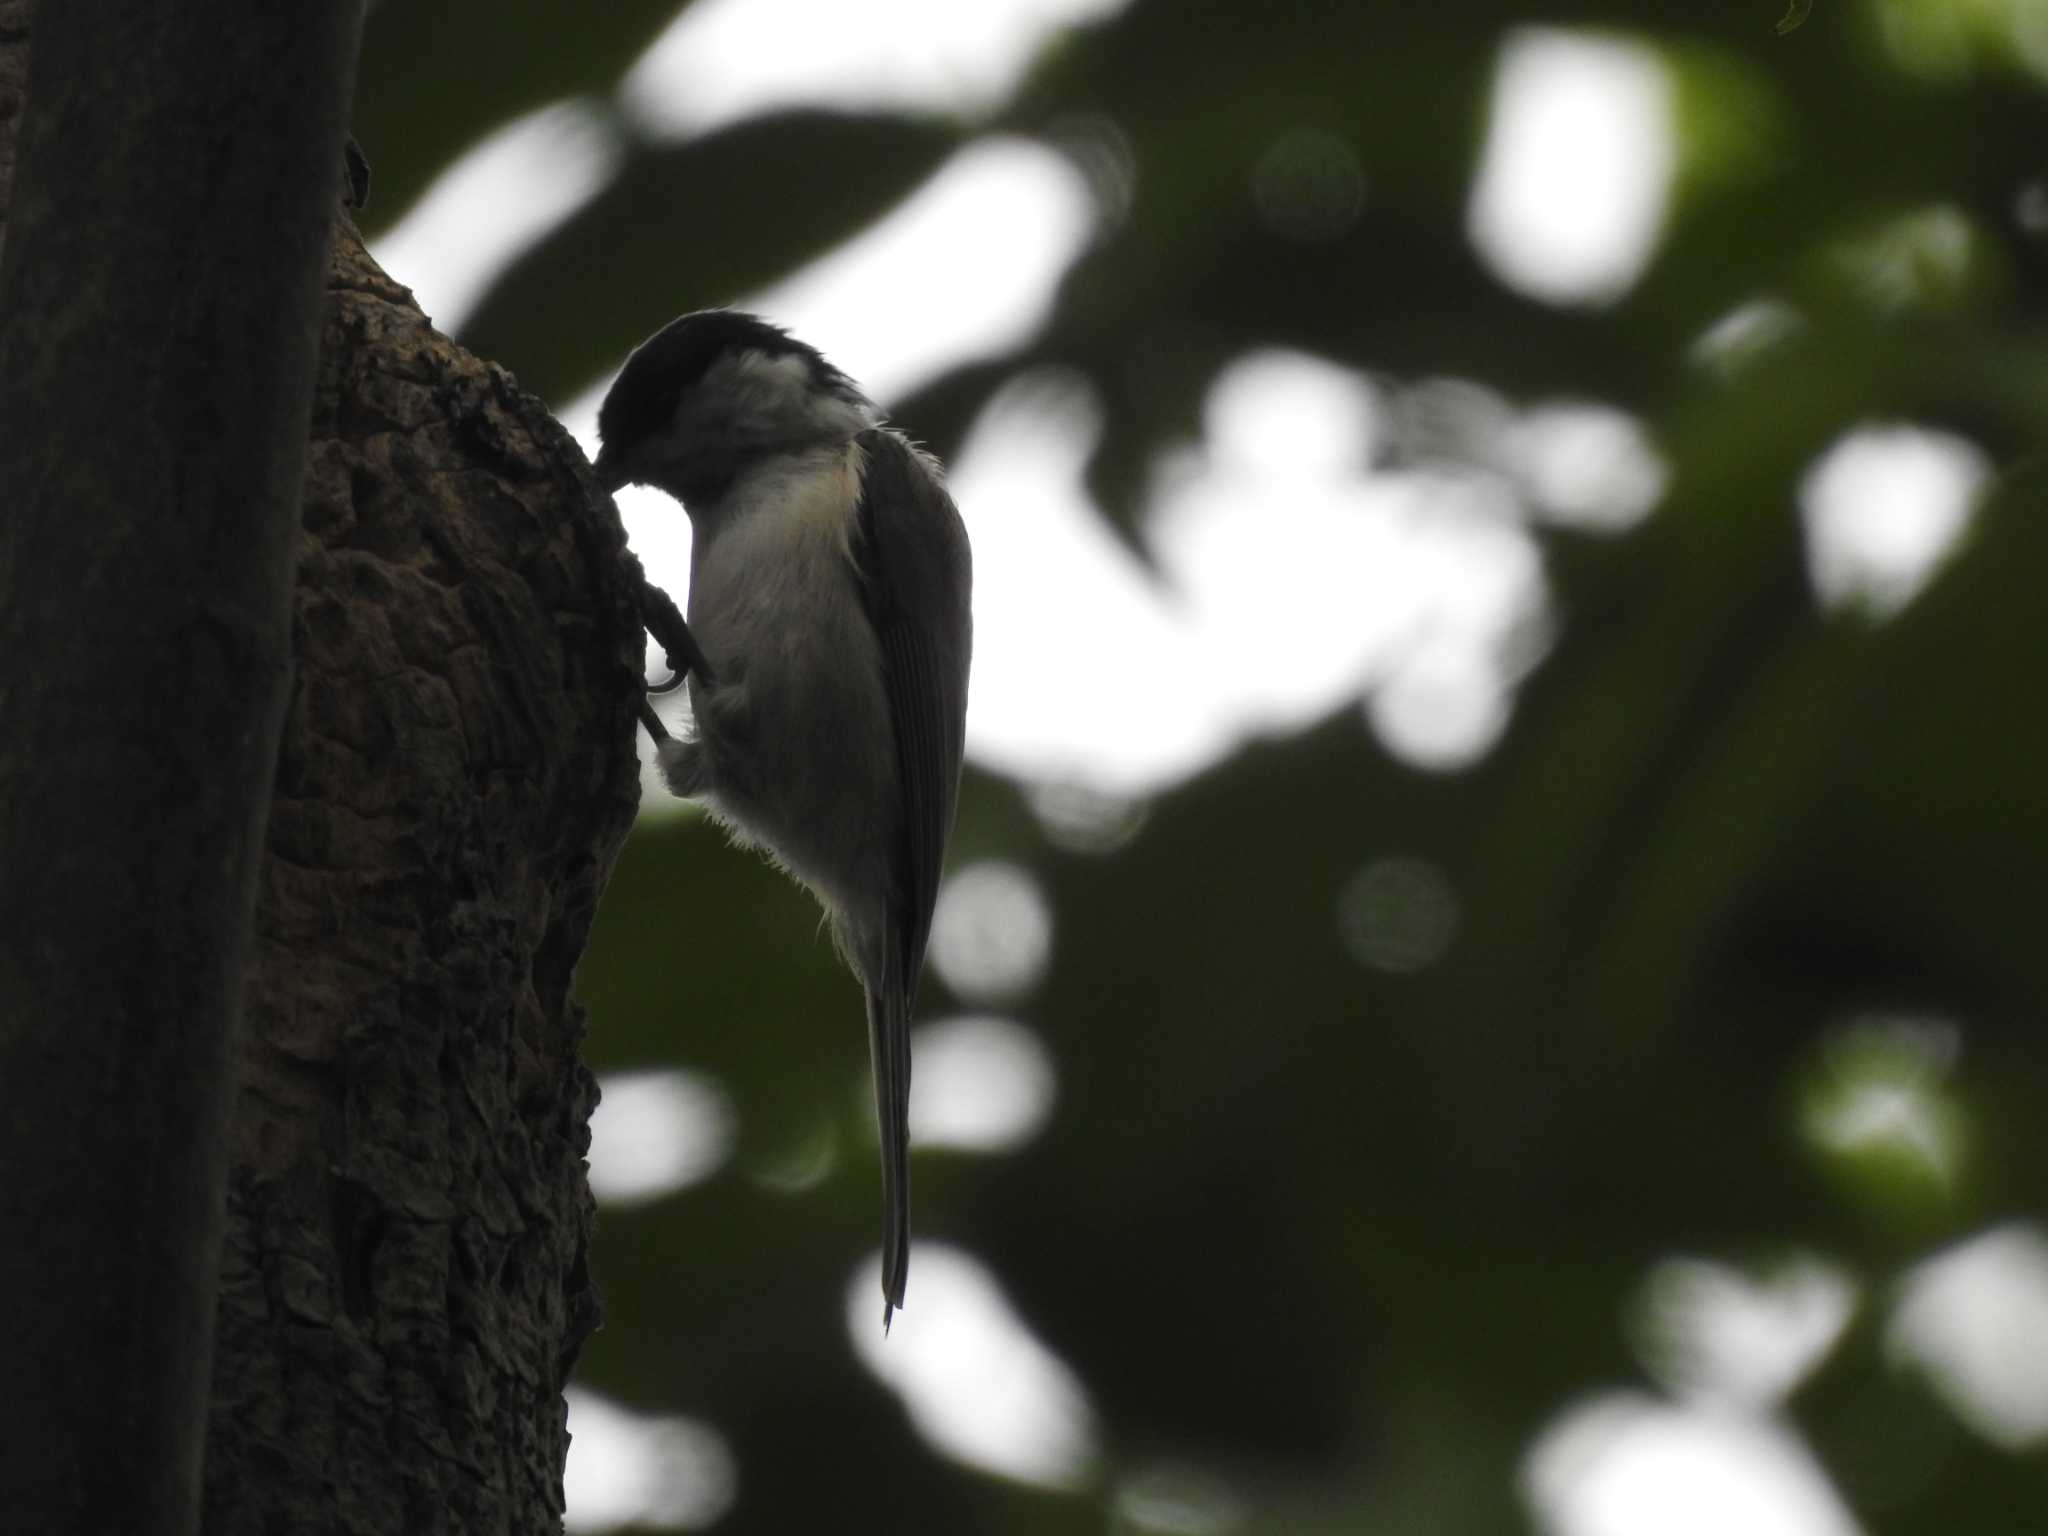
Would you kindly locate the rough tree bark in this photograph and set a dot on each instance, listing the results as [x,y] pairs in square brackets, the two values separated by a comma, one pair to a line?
[402,1286]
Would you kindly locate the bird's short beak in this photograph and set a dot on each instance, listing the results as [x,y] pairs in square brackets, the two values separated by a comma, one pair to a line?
[611,473]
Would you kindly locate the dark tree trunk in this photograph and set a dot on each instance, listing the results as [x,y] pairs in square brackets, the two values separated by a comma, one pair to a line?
[401,1284]
[159,310]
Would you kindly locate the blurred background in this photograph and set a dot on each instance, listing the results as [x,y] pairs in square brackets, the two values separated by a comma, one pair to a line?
[1493,970]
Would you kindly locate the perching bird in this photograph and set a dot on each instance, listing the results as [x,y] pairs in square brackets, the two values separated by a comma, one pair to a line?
[828,598]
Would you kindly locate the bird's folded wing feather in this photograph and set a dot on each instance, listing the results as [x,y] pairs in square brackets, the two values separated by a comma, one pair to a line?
[916,574]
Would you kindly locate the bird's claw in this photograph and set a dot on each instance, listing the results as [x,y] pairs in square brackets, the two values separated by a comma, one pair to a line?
[680,651]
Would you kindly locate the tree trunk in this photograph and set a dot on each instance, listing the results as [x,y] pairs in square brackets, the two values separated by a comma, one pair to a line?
[159,304]
[402,1287]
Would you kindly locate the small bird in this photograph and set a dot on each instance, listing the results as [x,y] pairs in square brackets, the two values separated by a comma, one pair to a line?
[828,602]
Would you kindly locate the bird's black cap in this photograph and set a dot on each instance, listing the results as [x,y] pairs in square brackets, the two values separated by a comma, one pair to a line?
[678,355]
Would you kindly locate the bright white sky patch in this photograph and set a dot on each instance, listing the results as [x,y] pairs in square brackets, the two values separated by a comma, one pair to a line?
[1309,590]
[966,267]
[1080,670]
[628,1469]
[655,1133]
[723,60]
[981,1085]
[1624,1464]
[1310,581]
[977,1384]
[1290,584]
[1286,580]
[1882,508]
[1975,1319]
[1577,168]
[490,204]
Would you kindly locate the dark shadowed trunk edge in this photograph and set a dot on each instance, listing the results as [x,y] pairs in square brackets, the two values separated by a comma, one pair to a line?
[173,175]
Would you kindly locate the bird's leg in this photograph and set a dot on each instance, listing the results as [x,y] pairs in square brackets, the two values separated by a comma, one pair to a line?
[681,762]
[665,622]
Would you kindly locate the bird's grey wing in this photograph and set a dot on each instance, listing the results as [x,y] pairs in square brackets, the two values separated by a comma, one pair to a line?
[916,574]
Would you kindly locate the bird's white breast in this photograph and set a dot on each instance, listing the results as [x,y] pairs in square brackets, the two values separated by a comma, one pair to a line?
[777,547]
[776,604]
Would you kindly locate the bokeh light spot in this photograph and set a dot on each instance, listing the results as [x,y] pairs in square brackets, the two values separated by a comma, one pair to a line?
[1746,335]
[1626,1465]
[1924,259]
[992,931]
[1882,509]
[977,1384]
[1397,914]
[1878,1104]
[1082,819]
[1442,710]
[1975,1319]
[1587,466]
[802,1161]
[1719,1337]
[1577,167]
[1178,1500]
[627,1469]
[1290,415]
[2030,208]
[1105,157]
[1949,40]
[1451,424]
[981,1085]
[654,1133]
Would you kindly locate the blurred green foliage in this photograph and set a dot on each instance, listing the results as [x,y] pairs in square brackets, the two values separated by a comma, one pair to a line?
[1350,1238]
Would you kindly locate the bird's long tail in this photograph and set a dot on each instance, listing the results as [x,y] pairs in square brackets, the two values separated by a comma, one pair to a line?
[889,1047]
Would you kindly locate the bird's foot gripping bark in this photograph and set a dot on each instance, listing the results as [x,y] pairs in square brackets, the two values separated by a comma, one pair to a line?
[665,622]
